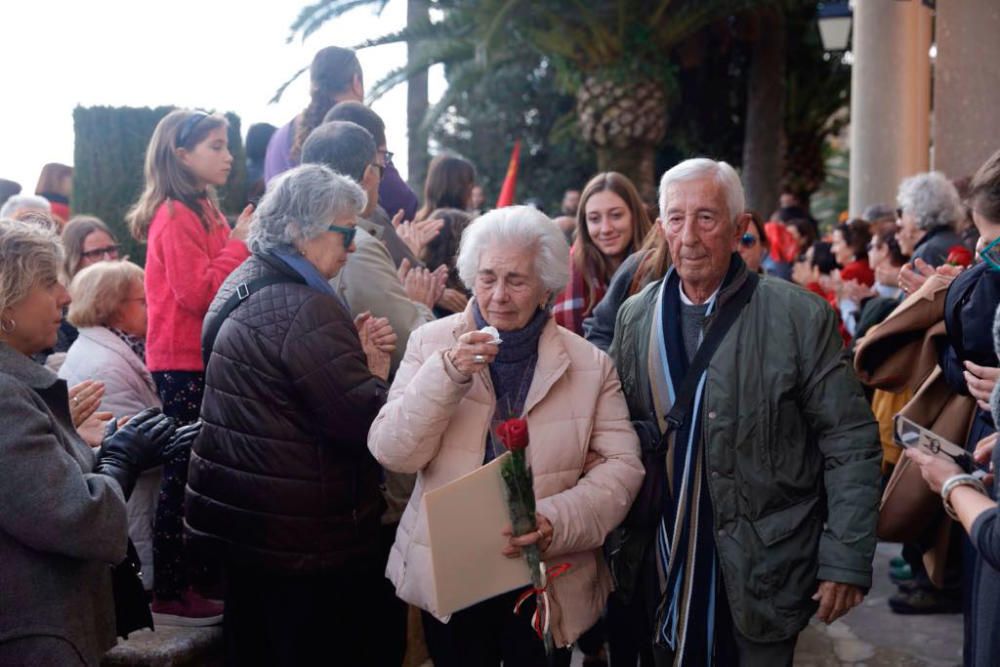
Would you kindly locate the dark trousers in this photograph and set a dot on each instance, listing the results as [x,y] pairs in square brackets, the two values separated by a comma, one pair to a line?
[292,620]
[181,393]
[488,633]
[391,647]
[629,632]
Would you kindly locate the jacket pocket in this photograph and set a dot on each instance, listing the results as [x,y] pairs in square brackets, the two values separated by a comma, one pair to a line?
[778,525]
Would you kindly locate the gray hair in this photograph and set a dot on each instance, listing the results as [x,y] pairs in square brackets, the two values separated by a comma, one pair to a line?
[931,199]
[343,146]
[699,167]
[299,205]
[29,255]
[19,203]
[522,226]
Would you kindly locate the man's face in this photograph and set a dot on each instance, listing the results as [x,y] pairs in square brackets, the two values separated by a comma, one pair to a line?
[570,202]
[700,233]
[369,183]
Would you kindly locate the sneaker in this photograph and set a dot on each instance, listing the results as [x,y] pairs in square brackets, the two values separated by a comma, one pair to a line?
[191,611]
[923,601]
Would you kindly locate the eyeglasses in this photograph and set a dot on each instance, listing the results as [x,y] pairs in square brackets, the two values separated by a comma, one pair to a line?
[387,156]
[188,127]
[748,240]
[347,232]
[991,254]
[107,252]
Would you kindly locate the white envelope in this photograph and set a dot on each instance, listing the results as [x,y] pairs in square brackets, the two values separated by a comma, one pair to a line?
[465,519]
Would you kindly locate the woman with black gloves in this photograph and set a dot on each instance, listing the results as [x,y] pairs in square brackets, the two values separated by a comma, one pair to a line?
[63,523]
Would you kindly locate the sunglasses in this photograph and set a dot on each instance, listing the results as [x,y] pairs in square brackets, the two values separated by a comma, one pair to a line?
[188,127]
[748,240]
[991,255]
[109,252]
[347,232]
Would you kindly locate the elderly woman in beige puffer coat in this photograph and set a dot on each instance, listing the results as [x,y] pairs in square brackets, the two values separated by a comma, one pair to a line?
[453,387]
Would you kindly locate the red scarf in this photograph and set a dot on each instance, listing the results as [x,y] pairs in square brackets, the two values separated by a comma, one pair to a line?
[574,304]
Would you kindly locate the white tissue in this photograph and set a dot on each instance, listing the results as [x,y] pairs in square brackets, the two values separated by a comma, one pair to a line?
[493,332]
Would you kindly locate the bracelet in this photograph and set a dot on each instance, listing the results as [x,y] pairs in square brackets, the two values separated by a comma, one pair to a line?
[953,483]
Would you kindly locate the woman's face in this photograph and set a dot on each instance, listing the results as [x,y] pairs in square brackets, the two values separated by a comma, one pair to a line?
[131,314]
[609,223]
[98,246]
[507,287]
[34,320]
[210,160]
[878,253]
[751,249]
[841,251]
[907,233]
[327,252]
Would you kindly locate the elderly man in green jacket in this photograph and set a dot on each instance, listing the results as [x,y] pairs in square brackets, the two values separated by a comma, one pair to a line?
[762,489]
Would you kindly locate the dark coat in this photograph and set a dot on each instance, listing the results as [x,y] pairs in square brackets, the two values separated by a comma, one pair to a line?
[62,526]
[280,477]
[792,452]
[934,246]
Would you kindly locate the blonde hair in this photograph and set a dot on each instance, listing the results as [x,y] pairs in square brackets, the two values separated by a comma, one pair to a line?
[167,178]
[29,255]
[99,290]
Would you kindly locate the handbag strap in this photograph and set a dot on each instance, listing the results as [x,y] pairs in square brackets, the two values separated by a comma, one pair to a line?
[241,294]
[713,338]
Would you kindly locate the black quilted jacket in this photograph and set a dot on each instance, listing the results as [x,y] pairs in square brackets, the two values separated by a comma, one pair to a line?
[280,476]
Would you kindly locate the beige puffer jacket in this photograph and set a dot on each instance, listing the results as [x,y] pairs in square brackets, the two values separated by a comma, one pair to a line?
[583,452]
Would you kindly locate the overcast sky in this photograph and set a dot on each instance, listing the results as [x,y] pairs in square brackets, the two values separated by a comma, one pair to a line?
[225,55]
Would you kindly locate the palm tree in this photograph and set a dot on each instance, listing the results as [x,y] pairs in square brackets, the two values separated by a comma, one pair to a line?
[615,55]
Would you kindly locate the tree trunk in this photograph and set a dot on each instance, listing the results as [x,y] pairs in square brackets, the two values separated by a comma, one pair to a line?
[763,144]
[416,104]
[638,162]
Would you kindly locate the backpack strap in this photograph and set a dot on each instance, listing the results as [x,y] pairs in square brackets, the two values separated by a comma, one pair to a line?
[241,294]
[717,330]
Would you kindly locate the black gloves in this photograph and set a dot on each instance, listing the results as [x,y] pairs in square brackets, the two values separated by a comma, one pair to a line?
[182,439]
[136,446]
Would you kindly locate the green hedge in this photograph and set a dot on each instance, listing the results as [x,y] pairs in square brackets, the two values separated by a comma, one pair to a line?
[109,155]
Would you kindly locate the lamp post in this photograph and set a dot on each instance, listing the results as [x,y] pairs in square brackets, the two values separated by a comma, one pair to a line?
[835,25]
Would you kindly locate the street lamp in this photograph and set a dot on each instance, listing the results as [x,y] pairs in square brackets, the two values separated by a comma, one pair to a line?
[835,25]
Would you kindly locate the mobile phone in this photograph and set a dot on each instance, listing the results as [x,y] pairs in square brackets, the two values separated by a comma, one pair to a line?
[909,434]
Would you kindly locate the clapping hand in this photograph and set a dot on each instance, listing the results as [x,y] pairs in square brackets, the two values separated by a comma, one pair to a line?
[84,399]
[416,235]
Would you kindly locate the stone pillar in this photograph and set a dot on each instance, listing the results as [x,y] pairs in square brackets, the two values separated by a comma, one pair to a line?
[966,85]
[890,98]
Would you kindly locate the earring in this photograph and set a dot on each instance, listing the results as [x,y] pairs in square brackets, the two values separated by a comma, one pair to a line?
[7,328]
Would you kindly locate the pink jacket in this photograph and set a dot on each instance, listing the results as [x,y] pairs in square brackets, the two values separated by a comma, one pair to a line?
[584,455]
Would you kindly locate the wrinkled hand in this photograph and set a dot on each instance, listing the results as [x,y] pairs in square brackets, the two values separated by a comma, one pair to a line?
[242,228]
[416,235]
[453,300]
[836,599]
[378,359]
[542,537]
[913,276]
[84,399]
[983,455]
[981,380]
[92,429]
[381,332]
[934,469]
[463,354]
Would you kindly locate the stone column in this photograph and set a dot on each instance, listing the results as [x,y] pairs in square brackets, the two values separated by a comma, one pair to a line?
[966,85]
[890,98]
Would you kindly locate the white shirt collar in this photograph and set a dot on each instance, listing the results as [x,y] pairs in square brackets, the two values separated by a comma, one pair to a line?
[688,302]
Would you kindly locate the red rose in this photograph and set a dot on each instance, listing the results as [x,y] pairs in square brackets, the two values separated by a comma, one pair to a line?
[513,433]
[959,255]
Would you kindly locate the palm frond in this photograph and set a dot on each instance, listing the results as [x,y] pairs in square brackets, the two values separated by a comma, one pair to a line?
[281,89]
[313,17]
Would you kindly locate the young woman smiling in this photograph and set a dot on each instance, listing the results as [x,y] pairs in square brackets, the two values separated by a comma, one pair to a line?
[611,224]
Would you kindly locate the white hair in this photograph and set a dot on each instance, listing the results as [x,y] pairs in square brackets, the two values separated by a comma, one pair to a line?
[521,226]
[931,199]
[699,167]
[19,203]
[299,205]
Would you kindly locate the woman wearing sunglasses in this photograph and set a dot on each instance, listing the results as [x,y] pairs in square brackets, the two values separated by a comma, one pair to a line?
[969,361]
[281,486]
[753,244]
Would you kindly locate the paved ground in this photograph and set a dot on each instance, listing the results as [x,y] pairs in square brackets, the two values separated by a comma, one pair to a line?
[872,636]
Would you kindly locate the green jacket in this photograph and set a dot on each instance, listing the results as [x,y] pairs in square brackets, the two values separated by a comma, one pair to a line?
[792,455]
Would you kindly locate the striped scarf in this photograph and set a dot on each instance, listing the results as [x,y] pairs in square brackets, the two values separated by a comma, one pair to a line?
[685,543]
[574,305]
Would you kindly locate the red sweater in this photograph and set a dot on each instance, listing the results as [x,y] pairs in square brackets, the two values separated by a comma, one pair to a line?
[185,265]
[860,271]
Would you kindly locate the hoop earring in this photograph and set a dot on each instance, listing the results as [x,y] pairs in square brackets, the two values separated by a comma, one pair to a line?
[7,328]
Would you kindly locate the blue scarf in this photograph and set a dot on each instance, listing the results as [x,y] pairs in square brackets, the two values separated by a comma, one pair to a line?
[309,273]
[685,544]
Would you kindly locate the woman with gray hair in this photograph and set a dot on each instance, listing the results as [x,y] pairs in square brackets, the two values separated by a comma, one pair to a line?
[456,383]
[281,487]
[63,524]
[929,207]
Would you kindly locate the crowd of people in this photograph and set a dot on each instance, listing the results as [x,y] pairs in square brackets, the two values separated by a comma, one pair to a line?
[243,430]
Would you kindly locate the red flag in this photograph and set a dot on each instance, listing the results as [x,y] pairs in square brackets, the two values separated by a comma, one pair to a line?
[506,197]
